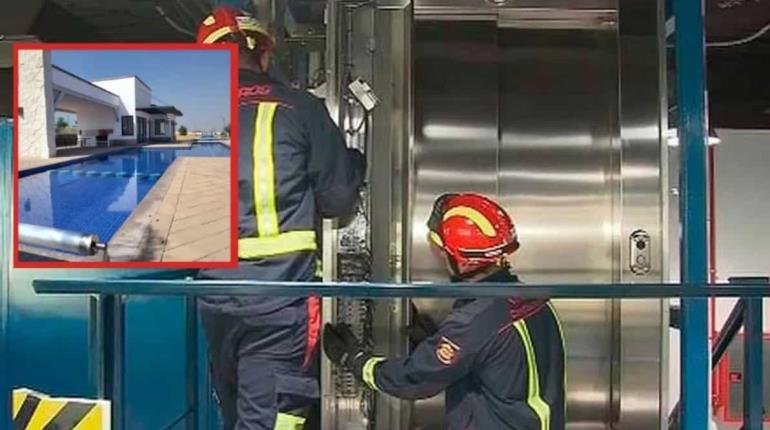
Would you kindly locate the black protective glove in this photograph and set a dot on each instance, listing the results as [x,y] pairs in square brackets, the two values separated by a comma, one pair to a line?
[343,348]
[421,328]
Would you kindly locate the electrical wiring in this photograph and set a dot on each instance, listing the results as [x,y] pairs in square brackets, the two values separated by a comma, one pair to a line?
[737,42]
[185,13]
[172,23]
[743,41]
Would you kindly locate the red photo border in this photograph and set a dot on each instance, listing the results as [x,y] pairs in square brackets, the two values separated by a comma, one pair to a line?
[233,49]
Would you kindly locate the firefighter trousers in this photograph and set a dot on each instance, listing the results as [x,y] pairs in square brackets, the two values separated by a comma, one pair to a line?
[265,376]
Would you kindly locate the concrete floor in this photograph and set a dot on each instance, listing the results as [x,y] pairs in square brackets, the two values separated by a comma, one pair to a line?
[185,217]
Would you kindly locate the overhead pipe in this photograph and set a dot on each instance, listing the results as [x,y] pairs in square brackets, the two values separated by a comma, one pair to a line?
[61,240]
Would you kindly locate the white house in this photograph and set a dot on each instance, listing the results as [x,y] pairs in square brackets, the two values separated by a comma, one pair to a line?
[109,111]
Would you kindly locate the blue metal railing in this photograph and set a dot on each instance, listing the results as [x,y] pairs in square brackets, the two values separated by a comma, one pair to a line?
[189,287]
[738,317]
[751,292]
[694,289]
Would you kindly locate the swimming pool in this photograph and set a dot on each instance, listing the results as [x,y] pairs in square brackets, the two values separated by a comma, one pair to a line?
[98,194]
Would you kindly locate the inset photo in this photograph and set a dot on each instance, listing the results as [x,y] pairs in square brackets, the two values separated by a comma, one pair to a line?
[124,156]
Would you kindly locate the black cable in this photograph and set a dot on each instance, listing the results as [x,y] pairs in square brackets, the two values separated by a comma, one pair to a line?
[171,22]
[186,14]
[361,125]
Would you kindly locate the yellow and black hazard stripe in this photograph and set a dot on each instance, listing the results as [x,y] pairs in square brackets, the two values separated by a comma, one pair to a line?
[35,411]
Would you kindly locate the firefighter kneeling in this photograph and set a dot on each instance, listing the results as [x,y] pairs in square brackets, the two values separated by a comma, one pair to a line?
[501,361]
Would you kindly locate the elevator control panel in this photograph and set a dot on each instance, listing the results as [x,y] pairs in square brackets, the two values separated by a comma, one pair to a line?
[640,249]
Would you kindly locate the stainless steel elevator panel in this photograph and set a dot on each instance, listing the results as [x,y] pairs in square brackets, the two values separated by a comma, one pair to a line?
[552,106]
[560,120]
[455,123]
[558,104]
[455,144]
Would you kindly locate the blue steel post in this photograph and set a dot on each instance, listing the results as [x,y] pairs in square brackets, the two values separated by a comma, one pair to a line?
[111,358]
[191,363]
[690,86]
[6,149]
[752,365]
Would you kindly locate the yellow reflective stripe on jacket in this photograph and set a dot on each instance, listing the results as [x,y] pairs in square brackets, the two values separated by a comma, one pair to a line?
[284,243]
[264,171]
[288,422]
[538,405]
[368,372]
[563,347]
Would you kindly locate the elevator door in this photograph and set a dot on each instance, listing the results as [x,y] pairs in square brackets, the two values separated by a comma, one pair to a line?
[527,116]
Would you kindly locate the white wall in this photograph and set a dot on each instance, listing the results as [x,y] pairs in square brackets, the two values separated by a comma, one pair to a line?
[143,95]
[68,82]
[91,116]
[36,122]
[742,200]
[125,88]
[742,215]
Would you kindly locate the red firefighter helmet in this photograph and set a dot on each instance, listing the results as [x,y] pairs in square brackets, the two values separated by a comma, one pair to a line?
[473,230]
[229,24]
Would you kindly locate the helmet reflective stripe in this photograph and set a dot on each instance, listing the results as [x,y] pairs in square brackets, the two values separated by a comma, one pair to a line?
[436,239]
[247,23]
[217,34]
[472,229]
[475,216]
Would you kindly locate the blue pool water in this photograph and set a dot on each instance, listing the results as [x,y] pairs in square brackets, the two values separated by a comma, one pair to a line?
[98,194]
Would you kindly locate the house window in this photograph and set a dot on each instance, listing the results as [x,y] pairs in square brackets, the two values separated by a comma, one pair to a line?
[127,125]
[160,126]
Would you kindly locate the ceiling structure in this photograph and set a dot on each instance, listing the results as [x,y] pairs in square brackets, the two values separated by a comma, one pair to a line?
[739,92]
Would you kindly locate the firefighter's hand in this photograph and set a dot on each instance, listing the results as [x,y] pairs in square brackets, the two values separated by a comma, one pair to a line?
[341,345]
[421,328]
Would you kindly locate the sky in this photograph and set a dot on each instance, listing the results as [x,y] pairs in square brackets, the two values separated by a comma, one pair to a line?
[196,82]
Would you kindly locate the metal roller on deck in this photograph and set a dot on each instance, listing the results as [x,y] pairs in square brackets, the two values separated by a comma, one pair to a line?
[60,240]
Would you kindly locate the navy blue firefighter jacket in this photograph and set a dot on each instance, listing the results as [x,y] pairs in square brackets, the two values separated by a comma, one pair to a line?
[501,362]
[293,169]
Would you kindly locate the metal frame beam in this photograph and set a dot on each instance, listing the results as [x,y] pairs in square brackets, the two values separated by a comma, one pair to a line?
[752,365]
[6,151]
[691,99]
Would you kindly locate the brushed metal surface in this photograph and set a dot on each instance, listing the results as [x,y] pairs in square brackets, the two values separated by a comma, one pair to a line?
[455,144]
[390,134]
[643,323]
[557,169]
[562,124]
[455,123]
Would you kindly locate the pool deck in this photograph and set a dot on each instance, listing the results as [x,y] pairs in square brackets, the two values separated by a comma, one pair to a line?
[184,218]
[73,154]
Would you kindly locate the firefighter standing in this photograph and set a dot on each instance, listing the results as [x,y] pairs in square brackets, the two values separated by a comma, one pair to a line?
[293,169]
[501,361]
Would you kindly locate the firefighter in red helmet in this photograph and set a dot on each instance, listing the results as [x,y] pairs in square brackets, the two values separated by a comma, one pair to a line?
[293,168]
[501,361]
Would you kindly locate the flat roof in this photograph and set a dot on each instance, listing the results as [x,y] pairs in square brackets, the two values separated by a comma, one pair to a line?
[83,80]
[114,78]
[152,109]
